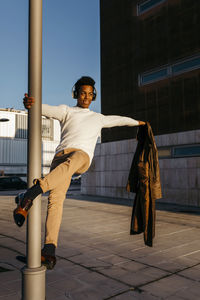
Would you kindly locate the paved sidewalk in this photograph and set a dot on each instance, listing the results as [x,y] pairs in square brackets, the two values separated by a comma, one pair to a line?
[98,259]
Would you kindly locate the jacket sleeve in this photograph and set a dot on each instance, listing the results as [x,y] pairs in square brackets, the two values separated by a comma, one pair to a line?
[112,121]
[55,112]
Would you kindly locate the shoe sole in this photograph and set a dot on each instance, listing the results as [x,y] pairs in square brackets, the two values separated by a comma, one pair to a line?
[48,264]
[20,214]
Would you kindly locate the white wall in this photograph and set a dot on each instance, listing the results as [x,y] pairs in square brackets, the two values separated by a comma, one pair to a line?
[7,129]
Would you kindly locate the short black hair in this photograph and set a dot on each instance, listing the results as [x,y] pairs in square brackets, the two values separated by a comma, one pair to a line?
[84,80]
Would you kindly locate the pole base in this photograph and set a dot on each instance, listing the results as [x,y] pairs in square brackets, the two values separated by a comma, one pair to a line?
[33,283]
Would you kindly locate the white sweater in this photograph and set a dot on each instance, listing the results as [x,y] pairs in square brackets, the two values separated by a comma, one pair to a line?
[80,127]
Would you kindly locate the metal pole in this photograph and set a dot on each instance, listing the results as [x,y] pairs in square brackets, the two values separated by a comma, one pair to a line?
[33,275]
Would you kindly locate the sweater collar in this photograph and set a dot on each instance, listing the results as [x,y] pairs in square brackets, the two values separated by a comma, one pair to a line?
[80,108]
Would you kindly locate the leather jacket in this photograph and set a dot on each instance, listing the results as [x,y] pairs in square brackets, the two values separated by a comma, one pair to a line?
[144,180]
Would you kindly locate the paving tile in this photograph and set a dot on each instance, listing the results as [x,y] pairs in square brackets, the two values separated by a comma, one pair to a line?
[177,264]
[132,266]
[84,294]
[130,295]
[168,286]
[134,278]
[186,253]
[87,261]
[10,281]
[64,269]
[14,296]
[93,252]
[8,257]
[192,292]
[106,285]
[8,242]
[5,291]
[52,293]
[87,293]
[195,255]
[153,260]
[175,297]
[90,283]
[184,249]
[192,273]
[67,284]
[113,259]
[68,252]
[62,297]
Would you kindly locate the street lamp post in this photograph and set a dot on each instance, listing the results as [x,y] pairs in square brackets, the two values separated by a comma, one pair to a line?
[33,275]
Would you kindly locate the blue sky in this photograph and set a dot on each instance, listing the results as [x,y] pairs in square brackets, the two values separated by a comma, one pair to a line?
[71,48]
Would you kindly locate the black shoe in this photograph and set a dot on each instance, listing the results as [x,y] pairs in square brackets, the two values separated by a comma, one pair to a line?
[48,261]
[23,206]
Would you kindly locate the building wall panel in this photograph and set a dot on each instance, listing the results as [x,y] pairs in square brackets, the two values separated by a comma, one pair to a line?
[13,151]
[180,176]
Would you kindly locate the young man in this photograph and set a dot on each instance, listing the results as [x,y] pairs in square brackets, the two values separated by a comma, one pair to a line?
[80,128]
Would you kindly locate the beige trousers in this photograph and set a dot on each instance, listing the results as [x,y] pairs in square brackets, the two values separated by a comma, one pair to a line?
[65,163]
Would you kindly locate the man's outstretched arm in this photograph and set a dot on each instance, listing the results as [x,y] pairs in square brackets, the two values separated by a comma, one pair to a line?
[112,121]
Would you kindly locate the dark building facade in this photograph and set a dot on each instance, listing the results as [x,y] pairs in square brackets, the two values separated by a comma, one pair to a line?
[150,64]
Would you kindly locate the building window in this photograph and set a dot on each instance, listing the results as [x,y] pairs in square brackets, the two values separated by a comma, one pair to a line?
[164,72]
[153,76]
[47,129]
[164,152]
[179,151]
[183,151]
[147,5]
[21,126]
[186,66]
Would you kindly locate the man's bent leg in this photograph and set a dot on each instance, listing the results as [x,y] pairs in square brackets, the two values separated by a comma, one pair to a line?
[76,161]
[63,166]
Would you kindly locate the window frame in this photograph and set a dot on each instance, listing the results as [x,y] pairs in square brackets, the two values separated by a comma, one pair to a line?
[139,12]
[170,72]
